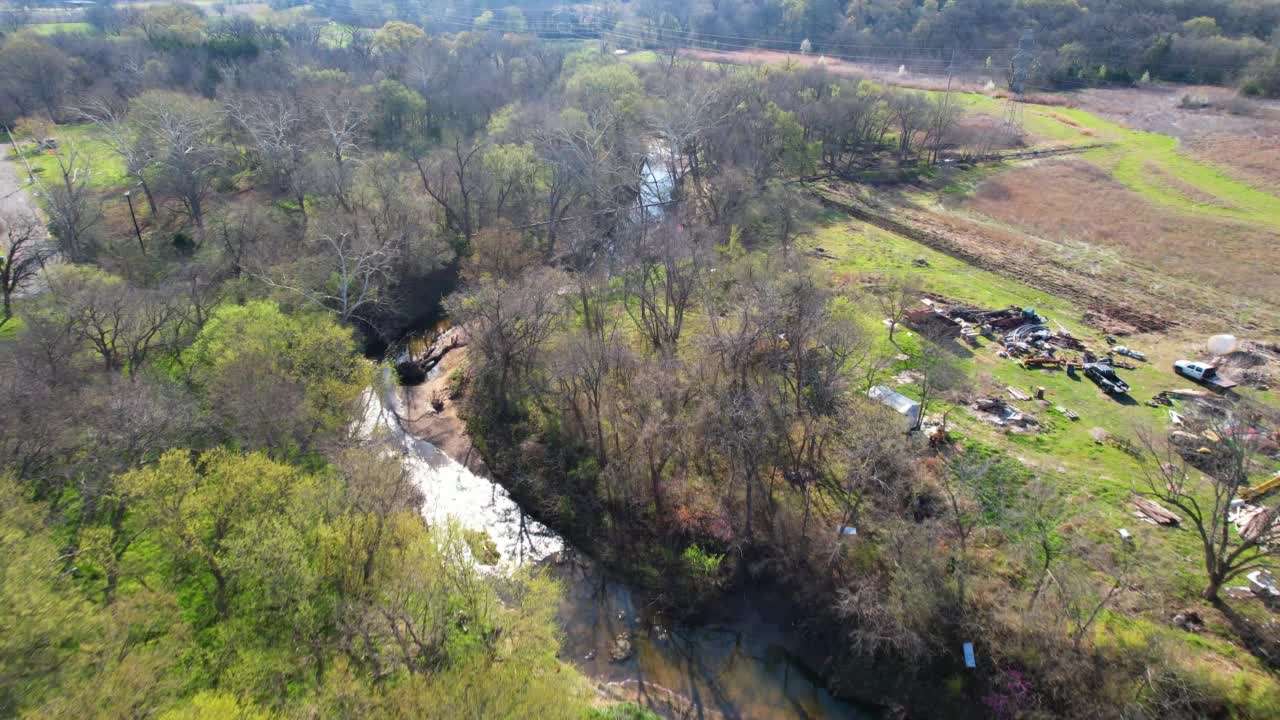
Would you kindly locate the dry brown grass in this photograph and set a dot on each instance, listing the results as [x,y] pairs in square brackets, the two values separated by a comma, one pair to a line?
[1255,160]
[1073,201]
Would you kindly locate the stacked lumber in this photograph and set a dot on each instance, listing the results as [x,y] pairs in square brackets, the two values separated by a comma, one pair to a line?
[1017,394]
[1152,511]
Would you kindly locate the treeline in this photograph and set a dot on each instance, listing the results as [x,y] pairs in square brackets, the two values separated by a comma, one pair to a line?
[1076,43]
[653,368]
[198,517]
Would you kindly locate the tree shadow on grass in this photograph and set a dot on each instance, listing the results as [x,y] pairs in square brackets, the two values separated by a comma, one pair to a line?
[1260,643]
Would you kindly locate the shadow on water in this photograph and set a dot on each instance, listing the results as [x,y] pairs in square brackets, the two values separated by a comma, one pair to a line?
[423,295]
[741,662]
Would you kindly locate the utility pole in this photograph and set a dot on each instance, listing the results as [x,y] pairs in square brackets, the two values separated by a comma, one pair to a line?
[944,109]
[128,195]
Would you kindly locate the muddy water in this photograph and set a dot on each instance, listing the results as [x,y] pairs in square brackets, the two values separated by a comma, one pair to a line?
[740,663]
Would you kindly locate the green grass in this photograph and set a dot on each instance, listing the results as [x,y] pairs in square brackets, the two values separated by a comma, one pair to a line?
[61,27]
[1097,477]
[643,57]
[1206,659]
[10,329]
[1148,163]
[107,168]
[863,249]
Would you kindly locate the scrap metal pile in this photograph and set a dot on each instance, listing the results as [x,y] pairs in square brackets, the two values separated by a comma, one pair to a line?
[1027,337]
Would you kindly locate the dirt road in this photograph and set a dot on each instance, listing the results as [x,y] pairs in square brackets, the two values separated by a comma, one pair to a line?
[16,201]
[14,197]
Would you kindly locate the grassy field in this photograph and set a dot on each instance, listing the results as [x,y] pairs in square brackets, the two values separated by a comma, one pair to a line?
[107,168]
[1141,198]
[1146,162]
[61,27]
[1096,478]
[1190,237]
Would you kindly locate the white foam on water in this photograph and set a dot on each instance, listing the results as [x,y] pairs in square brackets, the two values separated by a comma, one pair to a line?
[452,490]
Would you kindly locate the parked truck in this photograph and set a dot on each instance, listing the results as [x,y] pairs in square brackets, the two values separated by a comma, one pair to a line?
[1202,373]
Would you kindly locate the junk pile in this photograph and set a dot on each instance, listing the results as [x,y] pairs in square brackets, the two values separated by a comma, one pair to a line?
[1254,522]
[999,412]
[1026,336]
[1252,363]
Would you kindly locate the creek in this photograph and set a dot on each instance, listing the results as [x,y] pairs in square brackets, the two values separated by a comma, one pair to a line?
[740,661]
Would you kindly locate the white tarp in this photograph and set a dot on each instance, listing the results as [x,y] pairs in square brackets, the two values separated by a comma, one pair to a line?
[903,404]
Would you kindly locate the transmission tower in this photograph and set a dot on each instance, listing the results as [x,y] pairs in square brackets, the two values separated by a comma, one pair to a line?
[1020,67]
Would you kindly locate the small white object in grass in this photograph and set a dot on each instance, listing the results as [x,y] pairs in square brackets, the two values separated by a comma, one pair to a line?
[848,530]
[1125,535]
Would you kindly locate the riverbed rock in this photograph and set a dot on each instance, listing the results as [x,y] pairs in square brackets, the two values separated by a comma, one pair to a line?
[622,649]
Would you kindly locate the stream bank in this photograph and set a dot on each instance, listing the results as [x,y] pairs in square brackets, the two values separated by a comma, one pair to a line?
[742,660]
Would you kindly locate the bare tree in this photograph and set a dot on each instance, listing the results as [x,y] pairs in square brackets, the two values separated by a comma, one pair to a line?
[1078,598]
[1205,500]
[912,113]
[120,324]
[939,375]
[72,207]
[584,171]
[275,126]
[339,130]
[1039,515]
[682,122]
[456,179]
[178,133]
[21,258]
[121,137]
[898,296]
[509,322]
[665,268]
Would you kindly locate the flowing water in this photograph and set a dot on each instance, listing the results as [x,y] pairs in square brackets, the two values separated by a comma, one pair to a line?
[450,489]
[741,662]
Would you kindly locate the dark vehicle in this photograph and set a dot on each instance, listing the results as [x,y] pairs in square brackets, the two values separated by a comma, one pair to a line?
[1105,377]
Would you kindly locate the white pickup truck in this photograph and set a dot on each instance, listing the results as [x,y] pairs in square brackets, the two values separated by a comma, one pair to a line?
[1202,373]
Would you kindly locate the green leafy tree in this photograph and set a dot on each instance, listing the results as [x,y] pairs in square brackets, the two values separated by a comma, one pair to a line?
[200,509]
[399,114]
[44,622]
[607,91]
[276,380]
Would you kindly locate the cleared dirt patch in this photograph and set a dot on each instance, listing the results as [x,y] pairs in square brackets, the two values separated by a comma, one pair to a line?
[1074,201]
